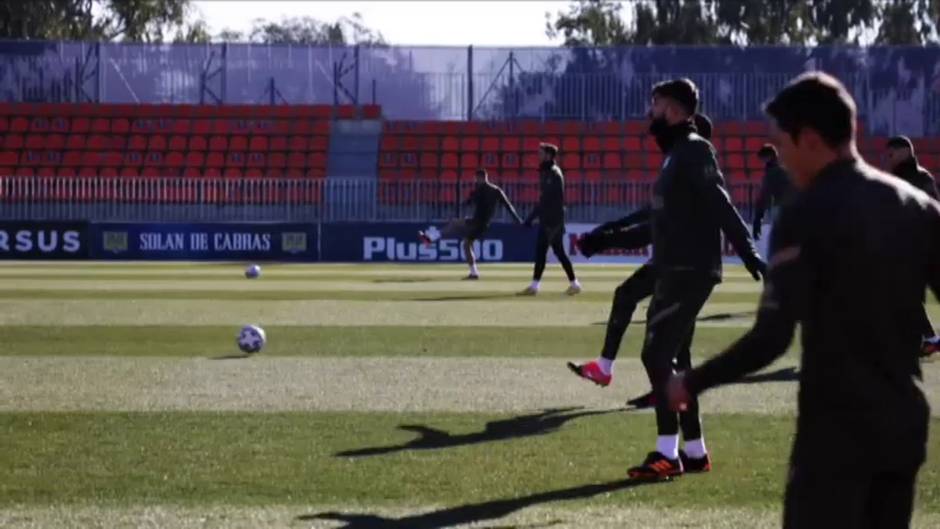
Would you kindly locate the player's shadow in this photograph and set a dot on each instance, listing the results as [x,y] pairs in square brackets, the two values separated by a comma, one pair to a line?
[404,280]
[723,316]
[542,423]
[231,357]
[464,297]
[474,512]
[784,374]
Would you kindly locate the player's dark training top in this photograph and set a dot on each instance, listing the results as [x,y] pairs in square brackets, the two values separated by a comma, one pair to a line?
[775,189]
[691,208]
[551,207]
[486,197]
[912,173]
[860,335]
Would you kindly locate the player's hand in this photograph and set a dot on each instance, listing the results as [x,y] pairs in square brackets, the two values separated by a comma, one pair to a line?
[756,231]
[588,244]
[757,267]
[677,393]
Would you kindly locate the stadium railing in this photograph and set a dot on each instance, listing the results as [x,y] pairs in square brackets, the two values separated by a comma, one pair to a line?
[172,199]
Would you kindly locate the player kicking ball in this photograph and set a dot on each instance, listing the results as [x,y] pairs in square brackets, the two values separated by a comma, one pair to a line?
[485,197]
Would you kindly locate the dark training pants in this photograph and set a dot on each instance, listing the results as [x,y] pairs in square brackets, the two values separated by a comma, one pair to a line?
[678,297]
[554,237]
[926,327]
[636,288]
[821,497]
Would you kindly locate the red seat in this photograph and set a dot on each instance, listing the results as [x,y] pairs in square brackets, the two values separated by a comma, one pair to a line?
[256,159]
[428,160]
[19,124]
[177,143]
[40,124]
[450,144]
[191,172]
[512,143]
[128,171]
[278,143]
[592,161]
[55,141]
[212,172]
[634,160]
[218,143]
[59,124]
[198,143]
[81,125]
[24,171]
[277,160]
[13,142]
[180,126]
[120,126]
[157,143]
[632,143]
[388,160]
[735,161]
[31,158]
[611,144]
[296,160]
[215,159]
[258,144]
[108,172]
[571,160]
[235,159]
[72,158]
[570,144]
[67,172]
[175,159]
[194,159]
[111,159]
[429,143]
[35,141]
[612,160]
[408,159]
[116,141]
[150,172]
[733,144]
[202,126]
[469,161]
[591,144]
[297,143]
[253,173]
[8,158]
[130,158]
[490,144]
[75,141]
[449,161]
[470,144]
[221,127]
[153,159]
[319,143]
[510,160]
[232,172]
[238,143]
[99,126]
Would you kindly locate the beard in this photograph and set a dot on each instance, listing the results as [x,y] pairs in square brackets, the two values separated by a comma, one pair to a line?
[658,125]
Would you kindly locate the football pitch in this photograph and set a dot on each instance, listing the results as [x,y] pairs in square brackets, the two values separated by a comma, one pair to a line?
[387,397]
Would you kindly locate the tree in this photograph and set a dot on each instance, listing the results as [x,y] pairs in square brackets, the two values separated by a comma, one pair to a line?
[307,30]
[909,22]
[602,23]
[151,21]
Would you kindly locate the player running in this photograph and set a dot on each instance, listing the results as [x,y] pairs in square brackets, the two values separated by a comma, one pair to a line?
[775,189]
[862,417]
[485,197]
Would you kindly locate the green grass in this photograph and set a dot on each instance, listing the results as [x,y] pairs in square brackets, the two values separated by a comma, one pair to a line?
[533,342]
[291,458]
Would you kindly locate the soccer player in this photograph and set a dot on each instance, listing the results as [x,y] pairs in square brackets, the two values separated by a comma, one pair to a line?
[690,209]
[550,213]
[485,197]
[862,418]
[903,164]
[629,232]
[774,190]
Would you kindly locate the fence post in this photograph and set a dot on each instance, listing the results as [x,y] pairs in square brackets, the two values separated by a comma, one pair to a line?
[470,83]
[512,86]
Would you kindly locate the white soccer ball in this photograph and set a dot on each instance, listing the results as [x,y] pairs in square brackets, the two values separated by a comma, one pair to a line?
[253,271]
[251,339]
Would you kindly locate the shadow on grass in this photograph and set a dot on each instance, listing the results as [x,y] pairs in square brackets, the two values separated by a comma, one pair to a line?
[465,297]
[542,423]
[404,280]
[723,316]
[474,512]
[231,357]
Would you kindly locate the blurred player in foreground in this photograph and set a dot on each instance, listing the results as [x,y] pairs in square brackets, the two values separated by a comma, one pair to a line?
[851,257]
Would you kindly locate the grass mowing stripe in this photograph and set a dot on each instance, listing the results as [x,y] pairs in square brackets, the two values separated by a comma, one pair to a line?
[324,341]
[512,313]
[443,297]
[321,458]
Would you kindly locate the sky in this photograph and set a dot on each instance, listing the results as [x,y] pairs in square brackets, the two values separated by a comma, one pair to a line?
[444,23]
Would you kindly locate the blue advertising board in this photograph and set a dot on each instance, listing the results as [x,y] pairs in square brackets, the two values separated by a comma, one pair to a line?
[213,242]
[398,242]
[44,240]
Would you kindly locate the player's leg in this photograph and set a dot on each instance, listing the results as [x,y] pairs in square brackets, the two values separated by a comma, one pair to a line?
[822,498]
[558,247]
[626,297]
[471,259]
[454,228]
[677,300]
[541,252]
[931,340]
[695,457]
[891,500]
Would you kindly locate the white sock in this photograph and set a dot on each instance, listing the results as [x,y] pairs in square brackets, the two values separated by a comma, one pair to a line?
[535,284]
[668,445]
[473,270]
[696,448]
[606,365]
[576,283]
[433,236]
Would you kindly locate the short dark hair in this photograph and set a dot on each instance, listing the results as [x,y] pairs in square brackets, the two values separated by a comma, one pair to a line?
[549,148]
[481,172]
[900,142]
[767,151]
[817,101]
[683,91]
[703,125]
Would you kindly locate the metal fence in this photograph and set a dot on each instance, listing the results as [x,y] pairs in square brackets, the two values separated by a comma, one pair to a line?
[897,88]
[299,200]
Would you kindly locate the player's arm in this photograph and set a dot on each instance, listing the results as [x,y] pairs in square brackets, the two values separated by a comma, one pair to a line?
[704,172]
[777,315]
[933,278]
[470,198]
[508,205]
[641,215]
[929,185]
